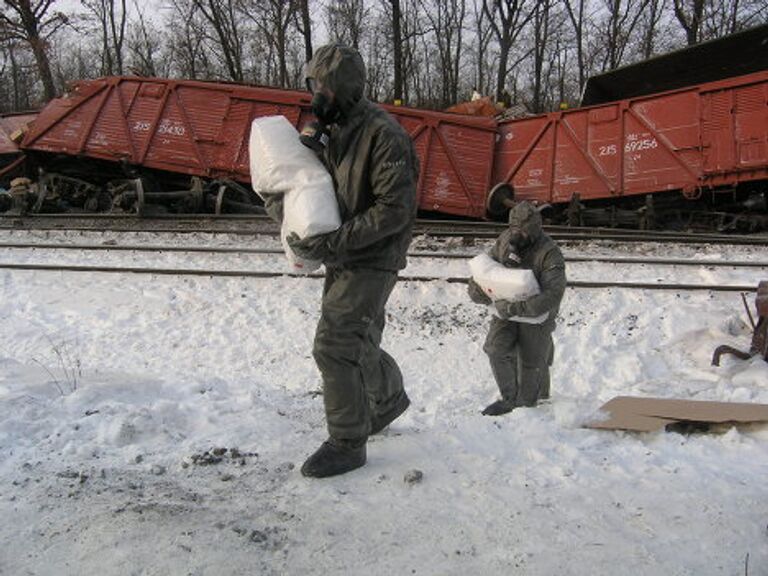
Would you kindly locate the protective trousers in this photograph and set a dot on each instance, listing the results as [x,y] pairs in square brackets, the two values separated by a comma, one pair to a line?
[358,376]
[520,356]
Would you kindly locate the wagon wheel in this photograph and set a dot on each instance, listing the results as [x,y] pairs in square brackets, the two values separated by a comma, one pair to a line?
[235,197]
[500,199]
[196,199]
[138,186]
[42,192]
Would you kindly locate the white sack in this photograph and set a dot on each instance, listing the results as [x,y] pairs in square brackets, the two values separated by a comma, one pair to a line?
[281,164]
[502,283]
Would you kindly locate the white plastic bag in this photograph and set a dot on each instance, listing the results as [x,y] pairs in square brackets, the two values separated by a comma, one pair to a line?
[502,283]
[280,164]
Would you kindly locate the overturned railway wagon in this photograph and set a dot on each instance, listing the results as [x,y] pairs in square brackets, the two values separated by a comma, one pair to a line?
[708,142]
[680,139]
[154,130]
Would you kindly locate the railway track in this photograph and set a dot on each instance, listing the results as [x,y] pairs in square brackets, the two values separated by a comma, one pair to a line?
[156,248]
[250,225]
[274,267]
[158,254]
[403,278]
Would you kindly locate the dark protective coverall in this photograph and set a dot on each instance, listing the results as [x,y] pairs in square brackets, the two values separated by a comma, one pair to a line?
[375,171]
[521,353]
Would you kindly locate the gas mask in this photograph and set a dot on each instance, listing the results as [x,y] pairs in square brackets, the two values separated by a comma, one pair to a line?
[325,108]
[519,239]
[316,134]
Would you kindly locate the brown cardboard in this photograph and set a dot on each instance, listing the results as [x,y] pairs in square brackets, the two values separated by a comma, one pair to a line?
[650,414]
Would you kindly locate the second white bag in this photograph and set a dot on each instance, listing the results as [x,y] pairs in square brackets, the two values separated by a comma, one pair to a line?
[502,283]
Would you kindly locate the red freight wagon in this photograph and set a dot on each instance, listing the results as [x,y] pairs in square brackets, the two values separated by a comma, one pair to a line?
[202,129]
[700,138]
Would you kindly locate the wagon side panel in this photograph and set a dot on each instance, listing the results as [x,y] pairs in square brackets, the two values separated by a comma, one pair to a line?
[455,154]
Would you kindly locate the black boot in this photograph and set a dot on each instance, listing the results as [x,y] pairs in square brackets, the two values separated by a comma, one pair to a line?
[499,407]
[378,423]
[335,457]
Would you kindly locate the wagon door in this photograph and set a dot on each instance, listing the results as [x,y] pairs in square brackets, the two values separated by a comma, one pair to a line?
[734,129]
[717,131]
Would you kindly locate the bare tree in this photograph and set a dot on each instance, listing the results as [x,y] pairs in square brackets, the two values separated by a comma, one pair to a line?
[619,23]
[729,16]
[344,21]
[397,43]
[31,23]
[187,41]
[144,45]
[483,36]
[375,46]
[649,28]
[541,24]
[111,21]
[227,34]
[577,14]
[690,14]
[16,90]
[273,19]
[304,26]
[446,18]
[508,19]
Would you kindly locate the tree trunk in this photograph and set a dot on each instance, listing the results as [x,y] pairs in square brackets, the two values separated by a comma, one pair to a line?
[397,41]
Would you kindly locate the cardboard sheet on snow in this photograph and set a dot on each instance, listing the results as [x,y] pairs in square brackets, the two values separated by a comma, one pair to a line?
[650,414]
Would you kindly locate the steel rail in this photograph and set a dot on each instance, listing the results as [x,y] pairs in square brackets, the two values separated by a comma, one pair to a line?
[414,278]
[437,255]
[439,229]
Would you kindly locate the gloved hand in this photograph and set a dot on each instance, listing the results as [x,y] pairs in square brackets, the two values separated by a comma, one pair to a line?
[476,294]
[319,247]
[507,309]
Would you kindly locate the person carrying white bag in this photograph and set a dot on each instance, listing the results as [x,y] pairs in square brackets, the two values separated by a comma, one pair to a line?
[375,171]
[296,188]
[523,279]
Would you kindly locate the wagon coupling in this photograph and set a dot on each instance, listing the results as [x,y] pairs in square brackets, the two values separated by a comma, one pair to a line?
[759,344]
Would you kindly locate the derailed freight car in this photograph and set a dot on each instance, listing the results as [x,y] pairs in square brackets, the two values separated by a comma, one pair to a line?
[676,140]
[183,146]
[708,143]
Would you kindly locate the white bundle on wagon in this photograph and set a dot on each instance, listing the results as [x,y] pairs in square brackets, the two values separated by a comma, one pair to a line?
[502,283]
[280,164]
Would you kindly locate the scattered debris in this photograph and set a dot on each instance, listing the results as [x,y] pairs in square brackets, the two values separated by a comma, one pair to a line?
[413,477]
[218,455]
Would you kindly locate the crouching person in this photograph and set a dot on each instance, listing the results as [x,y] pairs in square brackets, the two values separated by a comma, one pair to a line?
[521,352]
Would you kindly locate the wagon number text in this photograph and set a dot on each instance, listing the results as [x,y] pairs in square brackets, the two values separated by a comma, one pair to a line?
[631,146]
[165,127]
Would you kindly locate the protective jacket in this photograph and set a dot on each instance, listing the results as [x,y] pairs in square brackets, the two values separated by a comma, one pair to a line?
[373,165]
[544,258]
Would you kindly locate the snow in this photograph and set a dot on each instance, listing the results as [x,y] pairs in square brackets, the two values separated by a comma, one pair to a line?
[116,388]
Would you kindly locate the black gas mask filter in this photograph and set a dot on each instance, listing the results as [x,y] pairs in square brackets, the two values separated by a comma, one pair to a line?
[315,134]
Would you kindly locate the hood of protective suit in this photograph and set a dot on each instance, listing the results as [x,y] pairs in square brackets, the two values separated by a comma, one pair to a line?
[526,218]
[340,69]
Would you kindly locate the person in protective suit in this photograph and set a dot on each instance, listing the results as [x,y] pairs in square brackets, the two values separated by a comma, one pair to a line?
[375,171]
[521,353]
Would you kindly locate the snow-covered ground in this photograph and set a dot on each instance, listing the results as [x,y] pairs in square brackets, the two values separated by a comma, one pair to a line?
[154,425]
